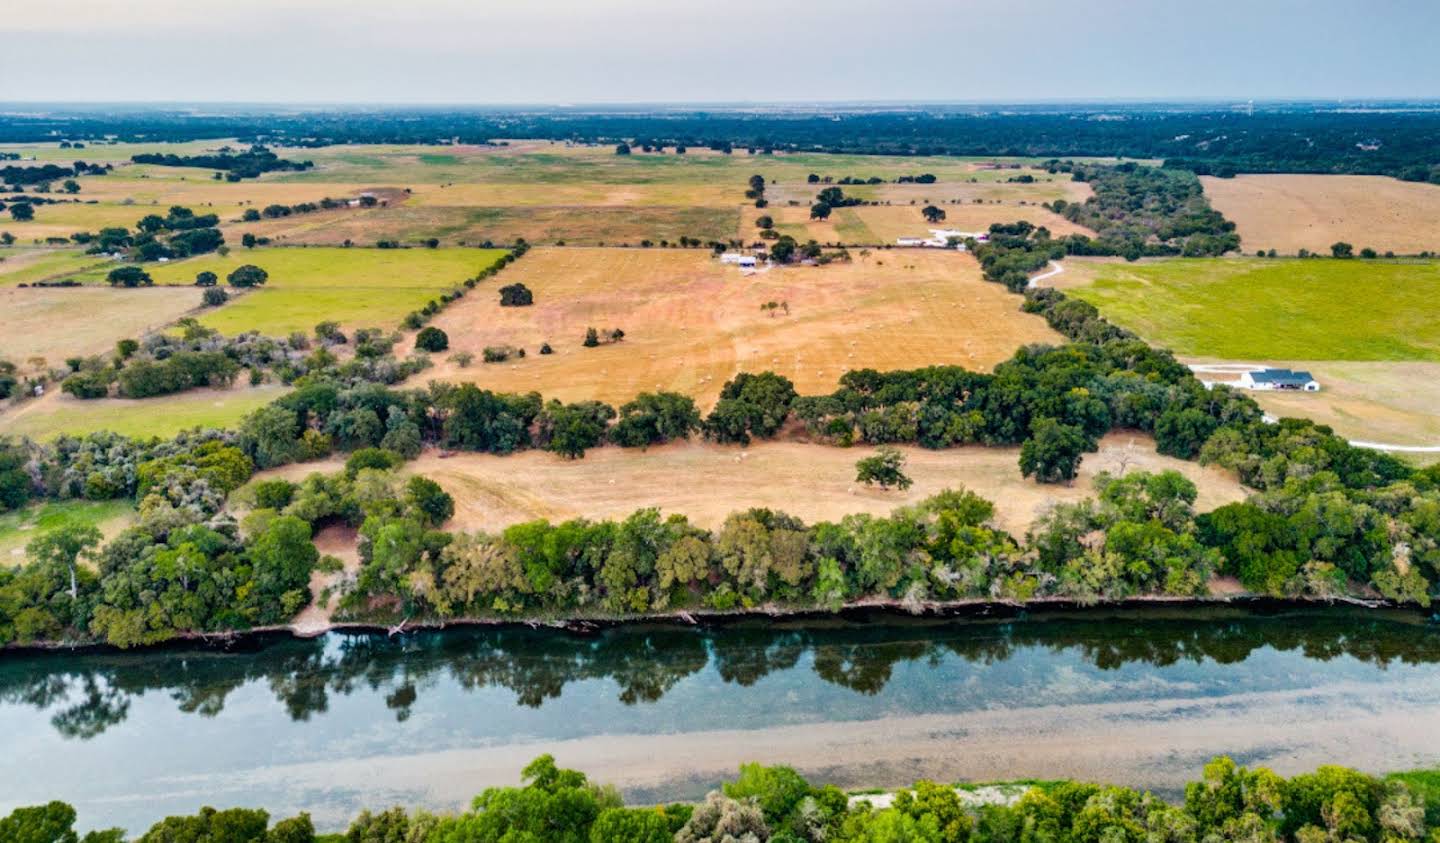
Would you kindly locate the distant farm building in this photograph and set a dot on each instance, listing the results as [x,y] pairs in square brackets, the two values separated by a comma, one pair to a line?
[736,259]
[940,239]
[1279,379]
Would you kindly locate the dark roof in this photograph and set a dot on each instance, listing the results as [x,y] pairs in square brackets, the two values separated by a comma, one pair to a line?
[1281,376]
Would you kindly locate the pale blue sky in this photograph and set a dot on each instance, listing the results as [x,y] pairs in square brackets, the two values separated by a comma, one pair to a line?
[586,51]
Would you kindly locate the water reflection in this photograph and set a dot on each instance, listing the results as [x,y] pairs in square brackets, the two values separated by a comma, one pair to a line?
[87,693]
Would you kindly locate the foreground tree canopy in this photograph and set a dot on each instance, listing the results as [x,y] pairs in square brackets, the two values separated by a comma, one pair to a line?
[777,805]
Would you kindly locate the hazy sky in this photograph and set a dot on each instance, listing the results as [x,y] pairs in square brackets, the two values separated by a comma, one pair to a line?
[579,51]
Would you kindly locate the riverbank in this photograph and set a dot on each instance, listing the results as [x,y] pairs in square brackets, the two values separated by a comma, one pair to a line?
[1242,604]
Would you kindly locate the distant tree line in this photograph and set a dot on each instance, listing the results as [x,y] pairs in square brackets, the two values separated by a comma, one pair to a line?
[236,165]
[1393,140]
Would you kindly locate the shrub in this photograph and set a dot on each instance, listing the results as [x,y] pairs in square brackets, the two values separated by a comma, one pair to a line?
[516,295]
[214,297]
[432,338]
[378,458]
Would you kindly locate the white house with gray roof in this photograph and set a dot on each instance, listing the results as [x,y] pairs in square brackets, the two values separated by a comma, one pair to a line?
[1269,379]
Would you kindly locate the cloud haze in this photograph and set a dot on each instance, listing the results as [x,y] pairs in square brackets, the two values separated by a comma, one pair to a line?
[578,51]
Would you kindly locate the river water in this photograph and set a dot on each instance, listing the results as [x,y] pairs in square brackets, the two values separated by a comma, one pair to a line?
[339,723]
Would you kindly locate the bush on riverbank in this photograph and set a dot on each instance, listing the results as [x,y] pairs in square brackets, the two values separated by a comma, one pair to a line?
[778,805]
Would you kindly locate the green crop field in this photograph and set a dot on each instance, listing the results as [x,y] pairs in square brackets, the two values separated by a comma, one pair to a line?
[164,416]
[20,527]
[1256,309]
[355,287]
[27,266]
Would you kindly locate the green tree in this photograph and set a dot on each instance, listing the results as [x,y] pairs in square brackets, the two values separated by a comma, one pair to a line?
[129,276]
[427,496]
[820,211]
[1341,249]
[70,186]
[933,214]
[1053,452]
[885,468]
[206,278]
[431,338]
[61,549]
[22,211]
[248,275]
[631,825]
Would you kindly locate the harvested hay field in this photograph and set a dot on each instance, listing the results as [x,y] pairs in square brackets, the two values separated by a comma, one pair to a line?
[690,323]
[1292,212]
[56,323]
[706,482]
[548,224]
[882,225]
[1392,403]
[1270,309]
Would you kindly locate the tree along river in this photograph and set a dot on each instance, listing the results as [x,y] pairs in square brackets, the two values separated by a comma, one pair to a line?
[347,721]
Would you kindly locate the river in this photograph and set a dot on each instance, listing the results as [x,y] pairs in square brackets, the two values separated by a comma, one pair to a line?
[346,721]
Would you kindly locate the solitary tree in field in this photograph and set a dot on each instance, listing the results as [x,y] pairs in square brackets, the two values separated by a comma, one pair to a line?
[1342,250]
[129,276]
[885,468]
[622,149]
[206,279]
[248,275]
[248,240]
[933,214]
[22,211]
[516,295]
[764,221]
[820,211]
[70,186]
[432,338]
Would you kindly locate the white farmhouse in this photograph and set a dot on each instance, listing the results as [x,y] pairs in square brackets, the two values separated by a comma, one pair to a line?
[1275,379]
[737,259]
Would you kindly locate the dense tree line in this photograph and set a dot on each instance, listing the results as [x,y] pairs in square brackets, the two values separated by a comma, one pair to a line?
[248,164]
[1280,137]
[43,174]
[777,805]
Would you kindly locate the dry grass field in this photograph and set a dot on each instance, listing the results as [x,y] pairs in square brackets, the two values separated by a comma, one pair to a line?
[472,225]
[1292,212]
[691,323]
[882,225]
[706,482]
[56,323]
[1393,403]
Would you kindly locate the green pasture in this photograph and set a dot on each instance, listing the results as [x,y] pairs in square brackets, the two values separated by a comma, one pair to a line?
[1276,309]
[19,528]
[355,287]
